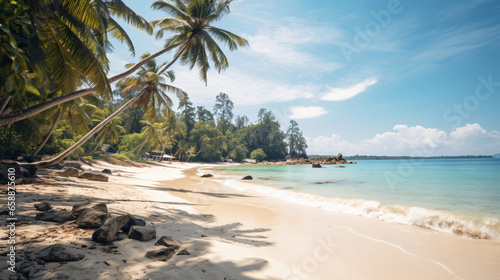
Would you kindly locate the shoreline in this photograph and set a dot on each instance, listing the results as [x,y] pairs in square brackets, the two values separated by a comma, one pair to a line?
[235,235]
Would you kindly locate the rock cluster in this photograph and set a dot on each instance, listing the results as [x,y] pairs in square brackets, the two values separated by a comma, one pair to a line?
[339,159]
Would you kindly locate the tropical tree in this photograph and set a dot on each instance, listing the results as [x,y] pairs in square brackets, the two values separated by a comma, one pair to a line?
[187,115]
[296,142]
[203,114]
[194,38]
[223,109]
[67,45]
[152,97]
[111,132]
[241,121]
[258,155]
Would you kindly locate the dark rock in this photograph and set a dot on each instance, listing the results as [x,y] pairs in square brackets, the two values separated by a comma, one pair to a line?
[247,178]
[341,166]
[73,164]
[93,176]
[339,157]
[167,241]
[25,172]
[107,171]
[183,252]
[133,222]
[163,254]
[80,207]
[91,218]
[207,176]
[68,172]
[61,253]
[142,233]
[316,165]
[106,233]
[56,166]
[43,206]
[55,216]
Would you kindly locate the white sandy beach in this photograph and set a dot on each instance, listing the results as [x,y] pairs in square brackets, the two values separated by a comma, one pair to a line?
[233,234]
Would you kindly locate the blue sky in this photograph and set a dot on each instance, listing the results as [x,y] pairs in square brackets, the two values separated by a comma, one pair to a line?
[360,77]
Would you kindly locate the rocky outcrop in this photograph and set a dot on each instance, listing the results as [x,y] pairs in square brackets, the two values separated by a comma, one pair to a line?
[80,207]
[91,218]
[107,171]
[142,233]
[248,177]
[107,232]
[168,241]
[93,176]
[338,159]
[163,254]
[316,165]
[60,253]
[133,221]
[55,216]
[43,206]
[68,172]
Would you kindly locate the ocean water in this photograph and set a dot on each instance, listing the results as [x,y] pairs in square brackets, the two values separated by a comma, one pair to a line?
[459,196]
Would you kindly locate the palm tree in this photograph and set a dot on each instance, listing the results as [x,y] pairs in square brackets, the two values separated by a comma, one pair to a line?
[67,41]
[152,97]
[111,131]
[194,38]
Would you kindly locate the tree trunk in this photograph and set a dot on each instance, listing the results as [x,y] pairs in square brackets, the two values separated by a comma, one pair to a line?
[29,112]
[4,103]
[140,145]
[58,116]
[85,138]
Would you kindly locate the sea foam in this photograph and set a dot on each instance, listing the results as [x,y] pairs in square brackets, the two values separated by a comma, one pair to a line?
[472,226]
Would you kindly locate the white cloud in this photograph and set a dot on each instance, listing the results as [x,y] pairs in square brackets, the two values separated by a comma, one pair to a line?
[340,94]
[470,139]
[244,89]
[310,112]
[116,64]
[284,46]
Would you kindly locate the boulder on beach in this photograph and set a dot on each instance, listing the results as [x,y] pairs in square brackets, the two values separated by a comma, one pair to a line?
[60,253]
[133,221]
[107,232]
[55,216]
[68,172]
[91,218]
[163,254]
[142,233]
[248,177]
[168,241]
[107,171]
[80,207]
[93,176]
[207,176]
[73,164]
[43,206]
[316,165]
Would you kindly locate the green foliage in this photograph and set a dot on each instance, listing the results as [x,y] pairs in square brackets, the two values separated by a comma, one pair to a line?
[129,141]
[296,141]
[258,155]
[121,157]
[87,158]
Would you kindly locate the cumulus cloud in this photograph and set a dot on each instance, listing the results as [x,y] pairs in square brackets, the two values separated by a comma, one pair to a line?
[244,89]
[306,112]
[470,139]
[283,46]
[340,94]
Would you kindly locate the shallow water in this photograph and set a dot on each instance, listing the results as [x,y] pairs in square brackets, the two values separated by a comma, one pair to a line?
[460,196]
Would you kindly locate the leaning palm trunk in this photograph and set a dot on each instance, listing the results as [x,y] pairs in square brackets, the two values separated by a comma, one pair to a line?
[91,133]
[29,112]
[56,120]
[4,103]
[138,147]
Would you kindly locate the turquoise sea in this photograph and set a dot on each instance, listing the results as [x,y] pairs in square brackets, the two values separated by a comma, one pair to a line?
[460,196]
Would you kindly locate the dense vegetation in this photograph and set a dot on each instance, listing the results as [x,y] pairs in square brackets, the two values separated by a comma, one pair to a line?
[56,97]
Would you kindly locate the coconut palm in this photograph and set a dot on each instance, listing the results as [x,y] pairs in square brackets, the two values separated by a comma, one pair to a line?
[111,131]
[152,98]
[67,42]
[194,38]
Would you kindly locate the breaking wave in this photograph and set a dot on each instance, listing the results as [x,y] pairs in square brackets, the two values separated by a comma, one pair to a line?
[472,226]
